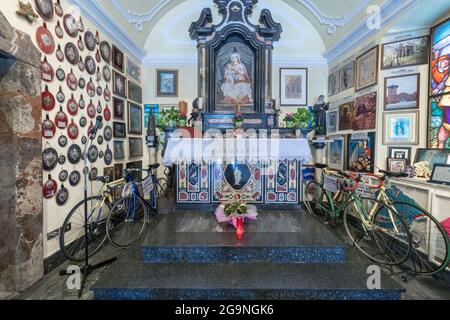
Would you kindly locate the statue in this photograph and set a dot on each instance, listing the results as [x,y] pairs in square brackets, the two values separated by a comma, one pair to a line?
[26,11]
[320,111]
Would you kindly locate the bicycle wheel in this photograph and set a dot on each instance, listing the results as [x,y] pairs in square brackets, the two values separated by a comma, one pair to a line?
[318,203]
[72,233]
[430,243]
[388,244]
[126,221]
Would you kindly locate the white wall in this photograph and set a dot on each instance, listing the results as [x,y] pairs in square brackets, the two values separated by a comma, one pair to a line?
[53,214]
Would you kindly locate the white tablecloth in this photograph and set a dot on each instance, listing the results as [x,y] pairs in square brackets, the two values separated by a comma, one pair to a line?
[220,150]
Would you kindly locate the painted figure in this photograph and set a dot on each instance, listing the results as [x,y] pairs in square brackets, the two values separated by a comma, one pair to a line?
[237,87]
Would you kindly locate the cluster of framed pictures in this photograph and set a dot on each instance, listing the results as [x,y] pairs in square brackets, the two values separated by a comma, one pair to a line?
[342,79]
[399,158]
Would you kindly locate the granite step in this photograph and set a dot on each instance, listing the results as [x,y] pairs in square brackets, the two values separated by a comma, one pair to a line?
[227,281]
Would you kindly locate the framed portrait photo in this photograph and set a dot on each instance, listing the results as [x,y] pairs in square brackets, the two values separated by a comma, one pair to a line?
[293,86]
[332,121]
[166,83]
[404,53]
[119,130]
[118,58]
[402,92]
[396,165]
[400,153]
[134,118]
[119,150]
[367,69]
[347,76]
[135,147]
[401,128]
[119,85]
[133,70]
[134,92]
[118,109]
[118,171]
[336,153]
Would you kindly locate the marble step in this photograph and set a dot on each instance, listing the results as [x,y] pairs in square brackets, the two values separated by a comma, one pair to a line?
[227,281]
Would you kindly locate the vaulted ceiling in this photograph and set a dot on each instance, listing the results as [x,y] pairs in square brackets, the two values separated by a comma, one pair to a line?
[335,20]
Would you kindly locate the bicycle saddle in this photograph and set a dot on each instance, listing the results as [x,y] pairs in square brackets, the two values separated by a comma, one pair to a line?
[394,174]
[154,166]
[103,179]
[320,165]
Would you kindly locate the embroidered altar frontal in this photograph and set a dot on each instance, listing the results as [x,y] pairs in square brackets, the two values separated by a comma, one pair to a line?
[274,182]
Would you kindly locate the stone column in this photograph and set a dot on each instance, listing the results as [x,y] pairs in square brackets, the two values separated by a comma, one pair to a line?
[21,210]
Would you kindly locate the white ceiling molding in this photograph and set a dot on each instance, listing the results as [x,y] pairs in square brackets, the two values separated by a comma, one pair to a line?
[390,10]
[97,15]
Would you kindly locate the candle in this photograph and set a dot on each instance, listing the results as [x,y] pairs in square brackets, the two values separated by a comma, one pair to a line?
[183,106]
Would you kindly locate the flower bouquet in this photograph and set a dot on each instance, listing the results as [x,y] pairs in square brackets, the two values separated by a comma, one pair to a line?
[235,212]
[289,119]
[238,120]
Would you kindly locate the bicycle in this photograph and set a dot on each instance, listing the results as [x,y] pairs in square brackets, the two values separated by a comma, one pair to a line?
[130,215]
[72,233]
[389,245]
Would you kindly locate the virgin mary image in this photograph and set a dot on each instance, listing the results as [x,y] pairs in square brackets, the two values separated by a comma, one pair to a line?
[236,85]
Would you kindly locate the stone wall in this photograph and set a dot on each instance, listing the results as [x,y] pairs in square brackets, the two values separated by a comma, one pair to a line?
[21,210]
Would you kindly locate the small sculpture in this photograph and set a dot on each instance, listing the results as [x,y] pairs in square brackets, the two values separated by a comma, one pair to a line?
[320,109]
[27,11]
[422,169]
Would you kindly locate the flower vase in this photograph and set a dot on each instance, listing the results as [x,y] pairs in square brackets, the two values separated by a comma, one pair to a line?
[182,122]
[238,124]
[289,124]
[239,227]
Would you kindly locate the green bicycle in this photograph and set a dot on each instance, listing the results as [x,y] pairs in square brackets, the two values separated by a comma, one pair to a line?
[388,244]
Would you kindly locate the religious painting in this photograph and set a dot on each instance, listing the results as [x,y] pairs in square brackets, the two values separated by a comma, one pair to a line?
[347,76]
[346,116]
[401,92]
[400,128]
[365,112]
[118,108]
[119,150]
[333,84]
[134,92]
[432,156]
[135,147]
[133,70]
[361,152]
[336,153]
[367,69]
[235,74]
[294,87]
[332,117]
[400,153]
[439,121]
[118,58]
[119,84]
[167,83]
[404,53]
[134,119]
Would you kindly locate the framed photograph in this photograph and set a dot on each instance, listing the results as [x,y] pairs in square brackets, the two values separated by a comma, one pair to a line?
[404,53]
[361,152]
[118,58]
[365,112]
[119,150]
[439,58]
[347,76]
[400,153]
[332,119]
[134,92]
[119,85]
[118,171]
[346,116]
[336,153]
[441,174]
[293,86]
[151,108]
[135,147]
[401,128]
[367,69]
[119,130]
[133,70]
[396,165]
[333,84]
[134,119]
[118,108]
[137,175]
[109,172]
[402,92]
[167,83]
[432,156]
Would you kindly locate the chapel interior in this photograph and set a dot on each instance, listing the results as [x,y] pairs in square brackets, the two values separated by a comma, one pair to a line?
[224,149]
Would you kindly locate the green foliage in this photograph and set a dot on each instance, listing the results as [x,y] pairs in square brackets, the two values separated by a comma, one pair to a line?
[303,118]
[236,207]
[169,118]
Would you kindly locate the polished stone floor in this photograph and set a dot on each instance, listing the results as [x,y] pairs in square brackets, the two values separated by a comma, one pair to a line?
[53,286]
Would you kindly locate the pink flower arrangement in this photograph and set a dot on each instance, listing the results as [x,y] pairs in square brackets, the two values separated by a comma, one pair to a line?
[183,115]
[289,116]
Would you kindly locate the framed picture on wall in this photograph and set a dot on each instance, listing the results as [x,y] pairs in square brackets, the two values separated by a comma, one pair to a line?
[367,69]
[402,92]
[333,84]
[166,83]
[293,86]
[134,118]
[365,112]
[133,70]
[336,153]
[118,58]
[135,147]
[332,119]
[400,153]
[119,150]
[361,152]
[404,53]
[151,108]
[137,175]
[396,165]
[119,84]
[118,108]
[347,76]
[109,172]
[432,156]
[401,128]
[118,171]
[119,130]
[134,92]
[346,116]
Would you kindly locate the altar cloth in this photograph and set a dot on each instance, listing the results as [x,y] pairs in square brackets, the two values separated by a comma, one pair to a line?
[229,150]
